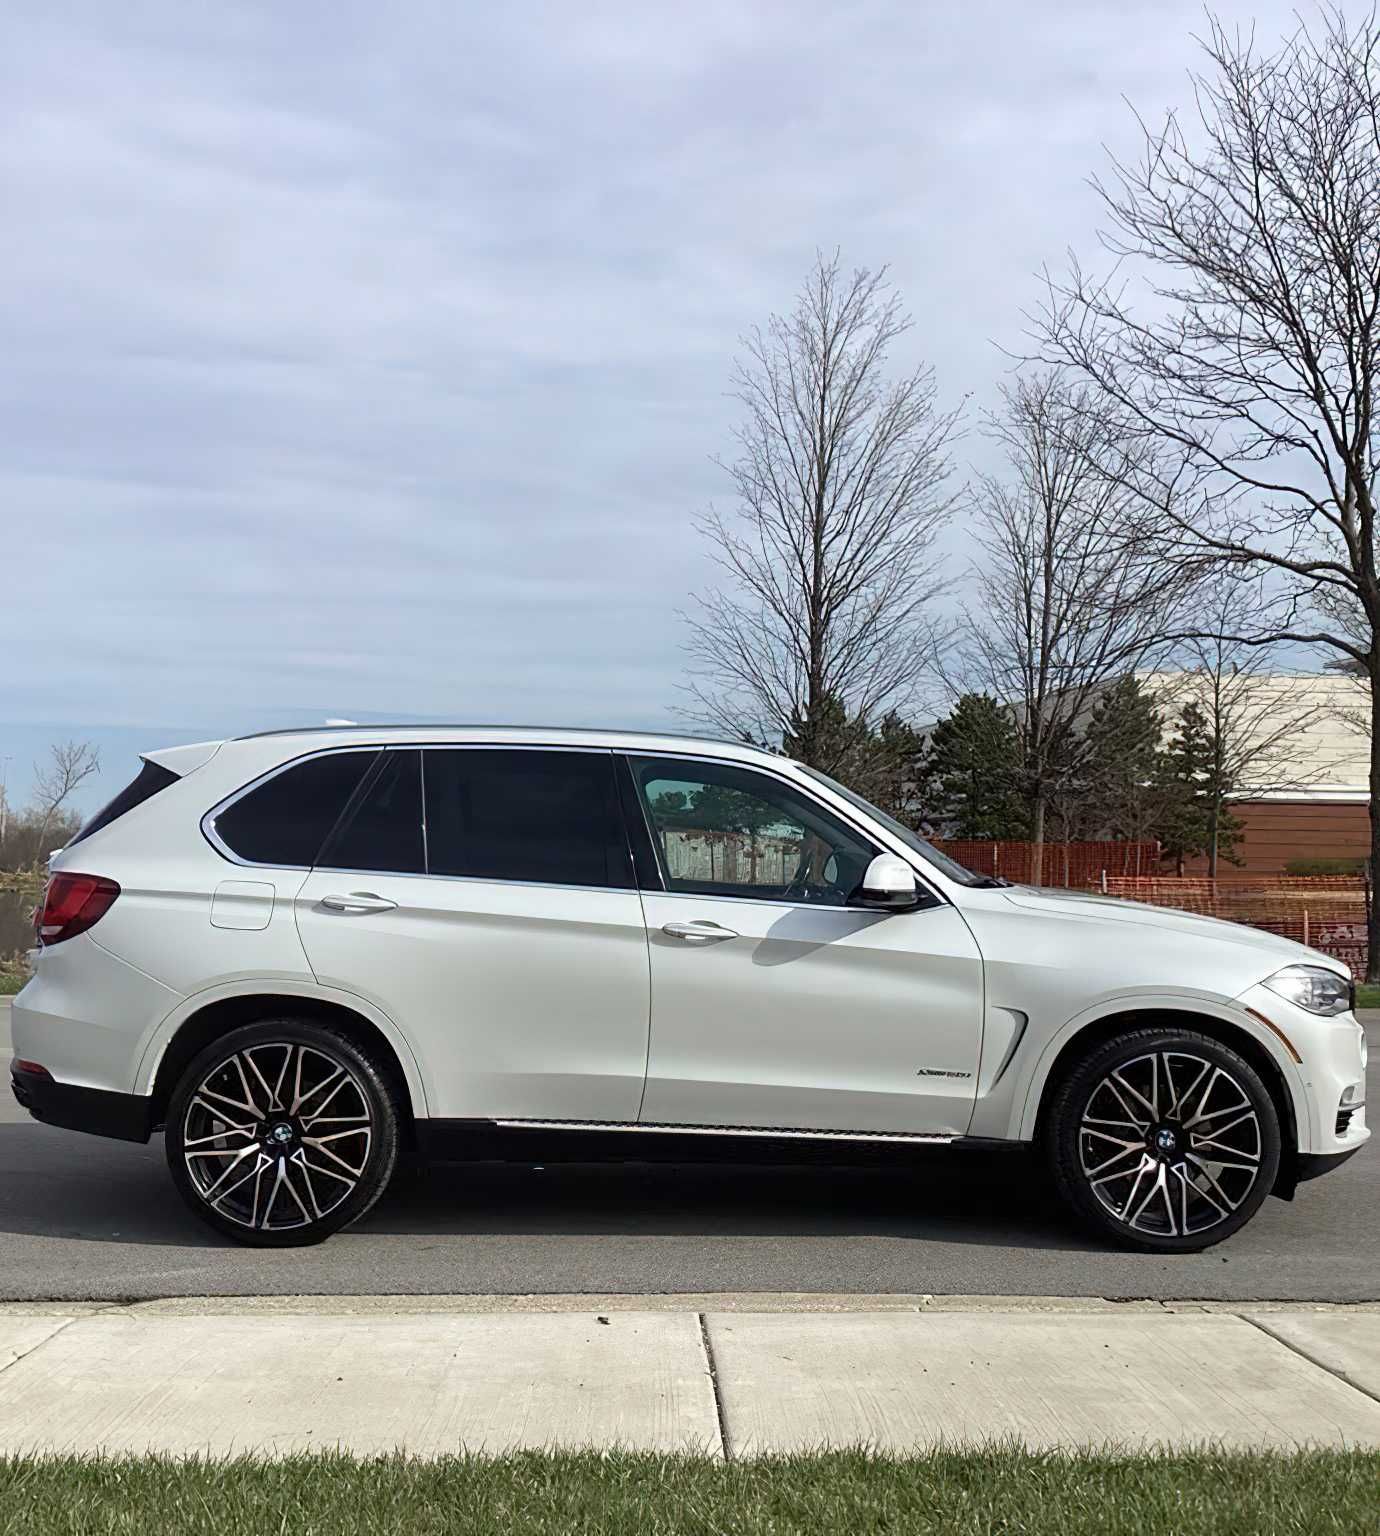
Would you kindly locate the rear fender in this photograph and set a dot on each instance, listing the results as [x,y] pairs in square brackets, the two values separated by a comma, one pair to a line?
[157,1043]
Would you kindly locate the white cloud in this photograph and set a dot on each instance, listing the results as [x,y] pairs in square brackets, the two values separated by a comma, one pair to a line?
[372,358]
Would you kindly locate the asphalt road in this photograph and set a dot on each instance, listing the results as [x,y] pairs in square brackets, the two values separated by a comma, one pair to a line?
[82,1218]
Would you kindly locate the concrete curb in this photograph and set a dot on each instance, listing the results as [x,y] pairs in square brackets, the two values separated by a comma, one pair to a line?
[672,1301]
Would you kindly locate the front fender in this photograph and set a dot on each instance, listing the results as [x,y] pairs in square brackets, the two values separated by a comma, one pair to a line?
[1029,1088]
[161,1036]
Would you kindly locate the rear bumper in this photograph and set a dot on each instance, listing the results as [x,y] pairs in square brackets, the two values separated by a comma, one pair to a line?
[124,1116]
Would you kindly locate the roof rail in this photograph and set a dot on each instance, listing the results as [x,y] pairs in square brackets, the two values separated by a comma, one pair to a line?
[366,728]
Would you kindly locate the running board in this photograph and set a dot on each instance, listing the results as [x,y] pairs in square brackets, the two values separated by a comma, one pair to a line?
[766,1132]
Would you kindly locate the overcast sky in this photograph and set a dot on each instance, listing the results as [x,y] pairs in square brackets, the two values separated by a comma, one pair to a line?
[371,358]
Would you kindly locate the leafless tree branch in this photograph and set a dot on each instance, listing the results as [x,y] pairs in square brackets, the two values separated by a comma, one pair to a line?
[1068,598]
[69,765]
[1237,327]
[827,562]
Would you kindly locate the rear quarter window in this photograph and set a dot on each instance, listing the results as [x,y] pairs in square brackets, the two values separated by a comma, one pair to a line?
[151,778]
[284,820]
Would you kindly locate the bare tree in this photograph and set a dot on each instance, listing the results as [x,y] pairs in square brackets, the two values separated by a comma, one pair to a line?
[69,765]
[1065,603]
[1240,330]
[839,478]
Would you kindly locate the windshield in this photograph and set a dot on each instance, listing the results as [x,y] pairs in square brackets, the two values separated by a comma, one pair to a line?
[927,851]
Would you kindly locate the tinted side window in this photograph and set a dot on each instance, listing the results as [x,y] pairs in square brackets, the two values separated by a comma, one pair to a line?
[502,814]
[723,830]
[384,829]
[286,818]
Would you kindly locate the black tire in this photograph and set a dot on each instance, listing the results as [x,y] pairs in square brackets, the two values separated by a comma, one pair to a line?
[238,1131]
[1183,1178]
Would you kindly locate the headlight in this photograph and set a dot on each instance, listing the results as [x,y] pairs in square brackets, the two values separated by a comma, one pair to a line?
[1312,987]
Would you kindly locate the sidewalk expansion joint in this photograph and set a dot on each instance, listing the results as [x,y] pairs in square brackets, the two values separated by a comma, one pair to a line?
[24,1354]
[1311,1357]
[719,1415]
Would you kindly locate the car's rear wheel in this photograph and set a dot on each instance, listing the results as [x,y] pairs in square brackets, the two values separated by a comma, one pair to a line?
[282,1132]
[1164,1140]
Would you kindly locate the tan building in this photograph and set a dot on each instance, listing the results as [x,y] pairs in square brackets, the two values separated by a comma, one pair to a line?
[1300,750]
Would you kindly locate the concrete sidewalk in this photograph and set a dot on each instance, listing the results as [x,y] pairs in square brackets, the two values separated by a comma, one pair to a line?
[729,1376]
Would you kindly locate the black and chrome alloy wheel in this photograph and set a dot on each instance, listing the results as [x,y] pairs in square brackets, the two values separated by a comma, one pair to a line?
[281,1134]
[1168,1140]
[1170,1143]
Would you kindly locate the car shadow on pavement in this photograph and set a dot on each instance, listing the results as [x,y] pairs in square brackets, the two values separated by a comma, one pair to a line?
[55,1184]
[970,1198]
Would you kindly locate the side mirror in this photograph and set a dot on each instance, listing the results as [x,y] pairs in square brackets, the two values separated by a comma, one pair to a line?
[888,885]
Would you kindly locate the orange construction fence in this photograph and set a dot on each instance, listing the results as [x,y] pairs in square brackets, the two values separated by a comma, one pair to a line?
[1326,912]
[1071,864]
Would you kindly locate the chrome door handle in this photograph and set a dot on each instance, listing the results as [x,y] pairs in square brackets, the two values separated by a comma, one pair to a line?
[358,901]
[701,929]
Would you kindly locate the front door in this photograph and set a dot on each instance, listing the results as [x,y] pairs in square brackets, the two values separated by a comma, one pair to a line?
[775,1004]
[500,931]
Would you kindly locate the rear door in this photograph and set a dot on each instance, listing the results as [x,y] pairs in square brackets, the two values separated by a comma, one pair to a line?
[483,898]
[774,1003]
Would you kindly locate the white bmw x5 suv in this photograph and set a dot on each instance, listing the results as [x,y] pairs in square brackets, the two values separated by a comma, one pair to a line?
[302,954]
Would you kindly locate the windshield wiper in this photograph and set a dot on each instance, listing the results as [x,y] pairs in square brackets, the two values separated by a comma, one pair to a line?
[991,882]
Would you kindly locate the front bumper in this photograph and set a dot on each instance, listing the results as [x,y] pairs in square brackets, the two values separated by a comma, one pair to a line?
[1325,1070]
[1312,1165]
[124,1116]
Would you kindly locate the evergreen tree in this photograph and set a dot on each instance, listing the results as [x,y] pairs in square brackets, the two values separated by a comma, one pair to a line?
[1196,819]
[972,770]
[895,771]
[828,738]
[1120,768]
[881,763]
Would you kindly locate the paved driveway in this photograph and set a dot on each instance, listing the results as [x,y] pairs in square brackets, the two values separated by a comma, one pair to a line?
[85,1218]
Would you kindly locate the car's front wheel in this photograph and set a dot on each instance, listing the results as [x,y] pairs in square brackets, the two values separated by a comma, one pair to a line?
[282,1132]
[1164,1140]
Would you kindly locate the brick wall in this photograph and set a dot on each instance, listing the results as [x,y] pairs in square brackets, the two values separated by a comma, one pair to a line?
[1279,831]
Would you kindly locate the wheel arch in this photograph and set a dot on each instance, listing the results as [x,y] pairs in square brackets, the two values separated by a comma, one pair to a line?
[205,1017]
[1245,1036]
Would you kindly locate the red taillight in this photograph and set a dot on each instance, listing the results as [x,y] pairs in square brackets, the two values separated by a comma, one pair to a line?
[72,904]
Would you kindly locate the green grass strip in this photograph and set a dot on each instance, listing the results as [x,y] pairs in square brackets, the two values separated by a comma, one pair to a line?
[999,1490]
